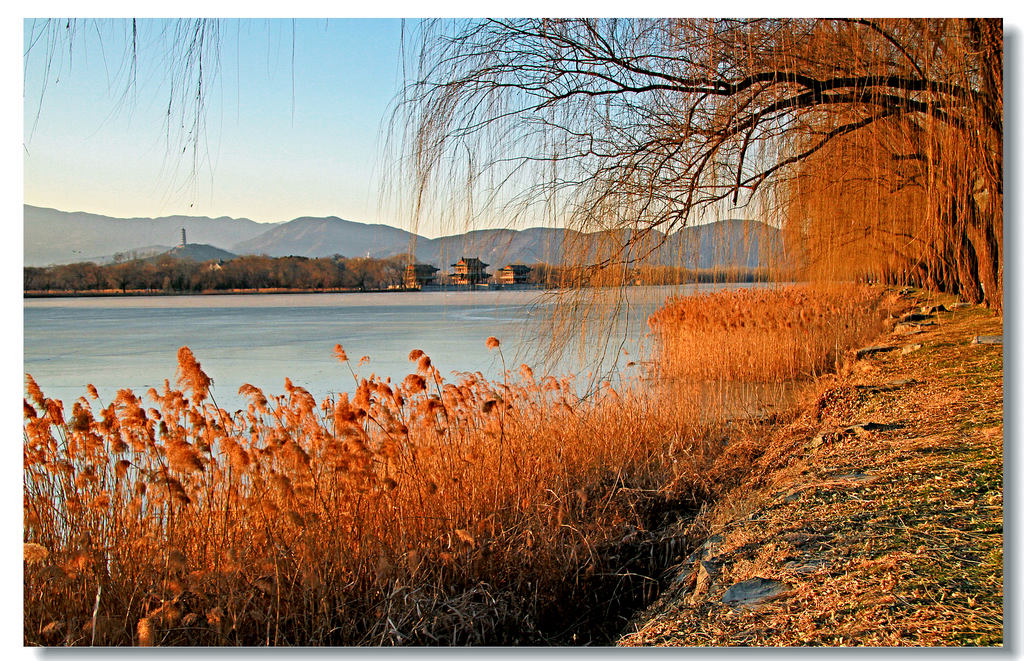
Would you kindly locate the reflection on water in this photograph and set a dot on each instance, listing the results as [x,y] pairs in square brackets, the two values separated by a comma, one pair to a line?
[132,342]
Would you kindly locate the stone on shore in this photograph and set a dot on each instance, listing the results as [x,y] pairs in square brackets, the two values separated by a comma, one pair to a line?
[753,591]
[868,351]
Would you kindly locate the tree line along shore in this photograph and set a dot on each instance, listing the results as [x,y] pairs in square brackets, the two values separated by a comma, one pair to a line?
[262,274]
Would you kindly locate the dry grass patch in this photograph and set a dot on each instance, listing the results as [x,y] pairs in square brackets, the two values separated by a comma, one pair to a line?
[765,335]
[890,536]
[422,512]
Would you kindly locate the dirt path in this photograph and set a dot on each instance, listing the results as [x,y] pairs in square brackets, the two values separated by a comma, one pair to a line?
[873,518]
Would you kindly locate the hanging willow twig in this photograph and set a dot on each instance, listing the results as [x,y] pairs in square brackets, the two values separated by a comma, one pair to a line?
[655,123]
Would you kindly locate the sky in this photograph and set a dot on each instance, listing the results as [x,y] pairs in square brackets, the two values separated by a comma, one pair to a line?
[293,121]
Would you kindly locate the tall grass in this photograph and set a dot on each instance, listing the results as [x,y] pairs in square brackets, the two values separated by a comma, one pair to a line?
[764,335]
[414,512]
[430,511]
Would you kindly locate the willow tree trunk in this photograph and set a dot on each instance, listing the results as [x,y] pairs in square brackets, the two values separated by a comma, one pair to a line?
[984,232]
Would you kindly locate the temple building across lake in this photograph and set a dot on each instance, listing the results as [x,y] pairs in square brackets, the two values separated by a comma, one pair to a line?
[420,275]
[514,274]
[469,271]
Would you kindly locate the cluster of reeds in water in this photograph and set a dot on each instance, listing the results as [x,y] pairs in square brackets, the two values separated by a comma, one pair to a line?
[758,335]
[422,512]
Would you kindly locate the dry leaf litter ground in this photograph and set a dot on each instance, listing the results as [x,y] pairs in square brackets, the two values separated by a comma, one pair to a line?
[873,518]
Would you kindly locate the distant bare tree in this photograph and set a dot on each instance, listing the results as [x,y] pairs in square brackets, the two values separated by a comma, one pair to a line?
[632,125]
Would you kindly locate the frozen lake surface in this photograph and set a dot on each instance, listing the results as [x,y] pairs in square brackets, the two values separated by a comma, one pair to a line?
[132,342]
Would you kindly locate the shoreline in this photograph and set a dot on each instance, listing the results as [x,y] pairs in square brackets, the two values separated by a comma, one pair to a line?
[106,293]
[135,293]
[873,516]
[835,521]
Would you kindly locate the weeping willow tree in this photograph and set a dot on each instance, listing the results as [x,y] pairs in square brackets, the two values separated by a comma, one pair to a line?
[877,144]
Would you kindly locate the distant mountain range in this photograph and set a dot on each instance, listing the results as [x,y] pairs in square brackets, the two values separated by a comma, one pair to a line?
[324,237]
[59,237]
[56,237]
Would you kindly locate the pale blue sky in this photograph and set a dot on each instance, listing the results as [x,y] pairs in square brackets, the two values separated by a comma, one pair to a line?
[268,153]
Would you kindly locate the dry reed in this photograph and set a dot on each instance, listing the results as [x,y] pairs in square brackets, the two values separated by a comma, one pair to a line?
[430,511]
[356,520]
[761,335]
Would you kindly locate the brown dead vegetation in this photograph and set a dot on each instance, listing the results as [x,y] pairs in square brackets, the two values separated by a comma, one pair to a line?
[420,512]
[879,509]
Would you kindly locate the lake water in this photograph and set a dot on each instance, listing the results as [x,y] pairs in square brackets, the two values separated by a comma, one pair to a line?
[132,342]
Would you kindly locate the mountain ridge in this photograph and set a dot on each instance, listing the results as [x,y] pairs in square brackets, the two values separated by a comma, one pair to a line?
[324,237]
[731,242]
[53,236]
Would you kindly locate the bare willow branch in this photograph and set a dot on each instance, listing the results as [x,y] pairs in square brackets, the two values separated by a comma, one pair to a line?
[654,124]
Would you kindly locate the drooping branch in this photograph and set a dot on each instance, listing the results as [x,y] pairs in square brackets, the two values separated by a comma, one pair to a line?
[654,122]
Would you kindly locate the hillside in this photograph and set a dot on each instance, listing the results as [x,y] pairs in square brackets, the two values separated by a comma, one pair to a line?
[143,252]
[496,247]
[740,243]
[324,237]
[197,252]
[731,243]
[744,244]
[873,517]
[59,237]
